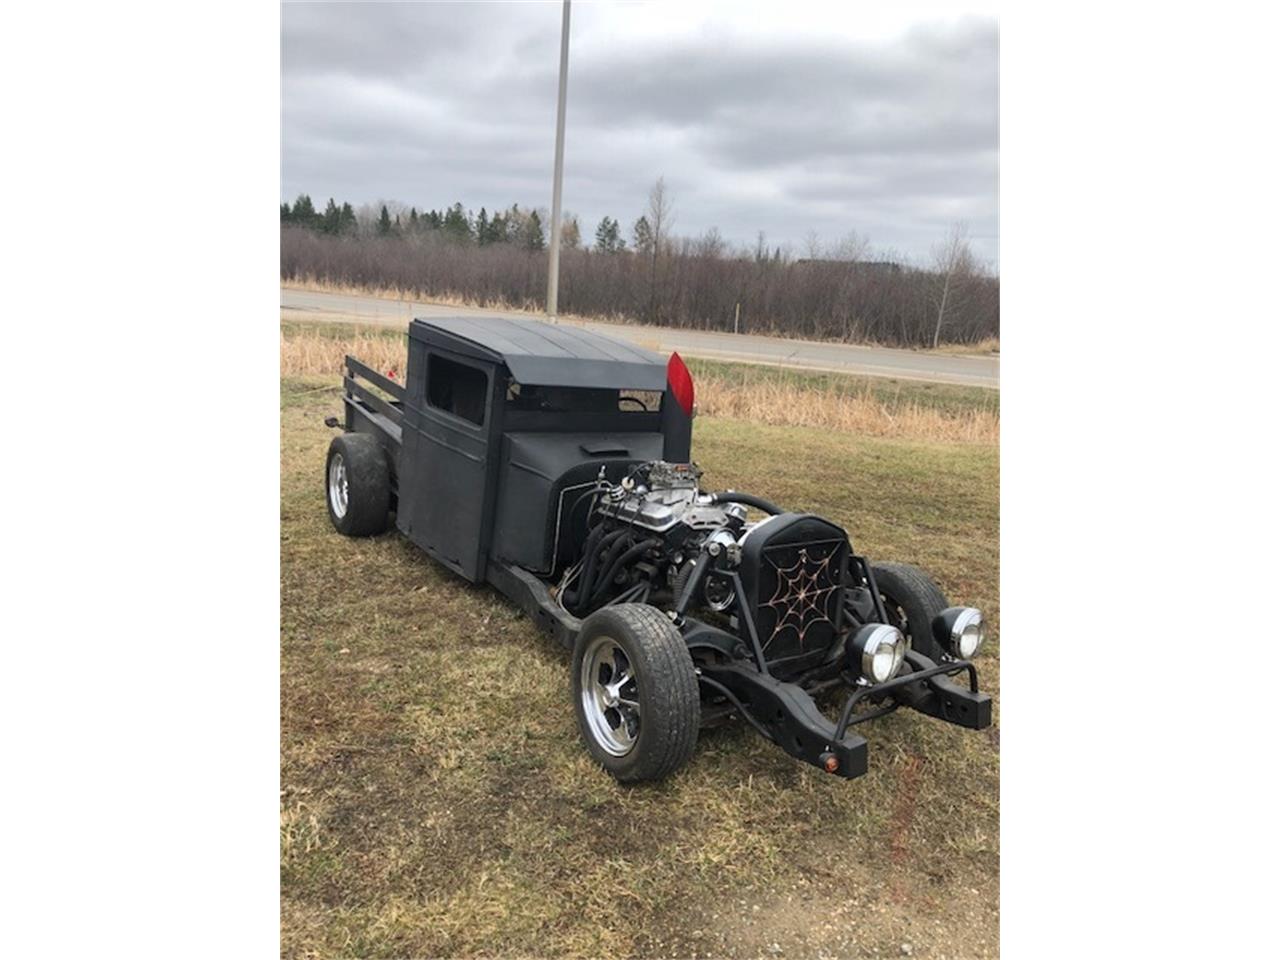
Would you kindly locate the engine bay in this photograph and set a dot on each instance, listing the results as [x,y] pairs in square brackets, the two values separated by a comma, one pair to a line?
[644,534]
[776,583]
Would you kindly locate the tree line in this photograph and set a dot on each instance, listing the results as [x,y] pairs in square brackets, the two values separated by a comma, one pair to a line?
[521,227]
[649,274]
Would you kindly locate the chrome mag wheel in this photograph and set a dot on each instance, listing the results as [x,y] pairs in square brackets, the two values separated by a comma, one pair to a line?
[338,486]
[610,699]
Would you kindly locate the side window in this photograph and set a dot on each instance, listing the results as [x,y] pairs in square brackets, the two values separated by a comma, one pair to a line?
[456,388]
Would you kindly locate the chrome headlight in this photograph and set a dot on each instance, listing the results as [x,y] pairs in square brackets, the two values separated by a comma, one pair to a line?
[960,630]
[878,648]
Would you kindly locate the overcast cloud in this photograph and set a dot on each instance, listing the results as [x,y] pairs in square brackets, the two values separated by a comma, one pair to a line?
[785,118]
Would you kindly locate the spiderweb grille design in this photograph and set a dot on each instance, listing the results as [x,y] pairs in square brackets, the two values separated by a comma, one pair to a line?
[799,595]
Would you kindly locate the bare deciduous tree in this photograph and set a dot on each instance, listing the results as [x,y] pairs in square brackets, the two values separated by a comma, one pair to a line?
[876,298]
[571,232]
[711,244]
[661,212]
[661,218]
[851,248]
[953,261]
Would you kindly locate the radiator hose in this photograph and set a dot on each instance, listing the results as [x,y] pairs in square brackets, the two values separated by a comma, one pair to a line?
[733,496]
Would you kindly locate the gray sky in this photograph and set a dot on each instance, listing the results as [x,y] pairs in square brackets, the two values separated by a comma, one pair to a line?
[784,117]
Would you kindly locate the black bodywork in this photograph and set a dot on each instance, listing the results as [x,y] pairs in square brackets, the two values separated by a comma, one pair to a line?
[502,431]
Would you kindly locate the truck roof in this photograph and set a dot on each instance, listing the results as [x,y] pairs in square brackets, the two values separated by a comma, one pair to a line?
[547,354]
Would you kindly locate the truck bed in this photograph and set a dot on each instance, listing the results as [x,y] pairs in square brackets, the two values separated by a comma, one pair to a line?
[369,411]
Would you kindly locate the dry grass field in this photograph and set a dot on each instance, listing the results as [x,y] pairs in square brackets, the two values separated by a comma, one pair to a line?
[436,800]
[783,396]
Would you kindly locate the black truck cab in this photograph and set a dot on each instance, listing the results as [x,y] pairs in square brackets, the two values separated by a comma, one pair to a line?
[503,421]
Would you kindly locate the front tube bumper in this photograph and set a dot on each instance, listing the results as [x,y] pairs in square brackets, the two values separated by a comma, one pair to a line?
[787,715]
[926,689]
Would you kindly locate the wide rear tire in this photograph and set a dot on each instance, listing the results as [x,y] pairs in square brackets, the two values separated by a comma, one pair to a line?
[635,692]
[357,485]
[911,600]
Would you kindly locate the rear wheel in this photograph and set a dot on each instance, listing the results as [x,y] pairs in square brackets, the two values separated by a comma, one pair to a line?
[911,600]
[357,484]
[635,692]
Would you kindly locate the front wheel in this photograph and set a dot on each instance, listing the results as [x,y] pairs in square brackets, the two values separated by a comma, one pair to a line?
[635,692]
[911,600]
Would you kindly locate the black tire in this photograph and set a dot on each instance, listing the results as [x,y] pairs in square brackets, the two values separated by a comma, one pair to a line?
[363,464]
[663,686]
[911,600]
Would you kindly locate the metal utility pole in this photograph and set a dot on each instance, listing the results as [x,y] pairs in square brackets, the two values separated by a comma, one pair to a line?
[553,264]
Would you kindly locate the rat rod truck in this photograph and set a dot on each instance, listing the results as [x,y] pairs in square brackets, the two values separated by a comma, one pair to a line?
[554,464]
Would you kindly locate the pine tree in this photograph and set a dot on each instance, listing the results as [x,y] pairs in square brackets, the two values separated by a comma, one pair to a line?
[347,219]
[332,220]
[532,233]
[498,229]
[285,213]
[413,219]
[457,225]
[482,228]
[609,237]
[304,213]
[643,235]
[384,222]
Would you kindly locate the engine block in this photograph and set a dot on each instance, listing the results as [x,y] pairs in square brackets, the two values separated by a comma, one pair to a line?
[665,497]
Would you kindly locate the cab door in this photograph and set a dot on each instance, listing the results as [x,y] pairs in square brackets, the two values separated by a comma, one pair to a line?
[445,490]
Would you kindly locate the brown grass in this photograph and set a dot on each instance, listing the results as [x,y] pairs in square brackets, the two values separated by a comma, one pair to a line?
[988,347]
[314,353]
[736,391]
[383,292]
[436,800]
[786,404]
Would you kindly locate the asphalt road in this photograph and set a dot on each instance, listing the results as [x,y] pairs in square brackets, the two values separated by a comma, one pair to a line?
[807,354]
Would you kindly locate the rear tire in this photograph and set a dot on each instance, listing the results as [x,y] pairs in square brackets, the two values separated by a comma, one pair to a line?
[635,692]
[357,484]
[911,600]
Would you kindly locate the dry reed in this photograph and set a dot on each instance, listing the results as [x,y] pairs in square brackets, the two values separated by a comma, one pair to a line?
[761,398]
[793,405]
[311,353]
